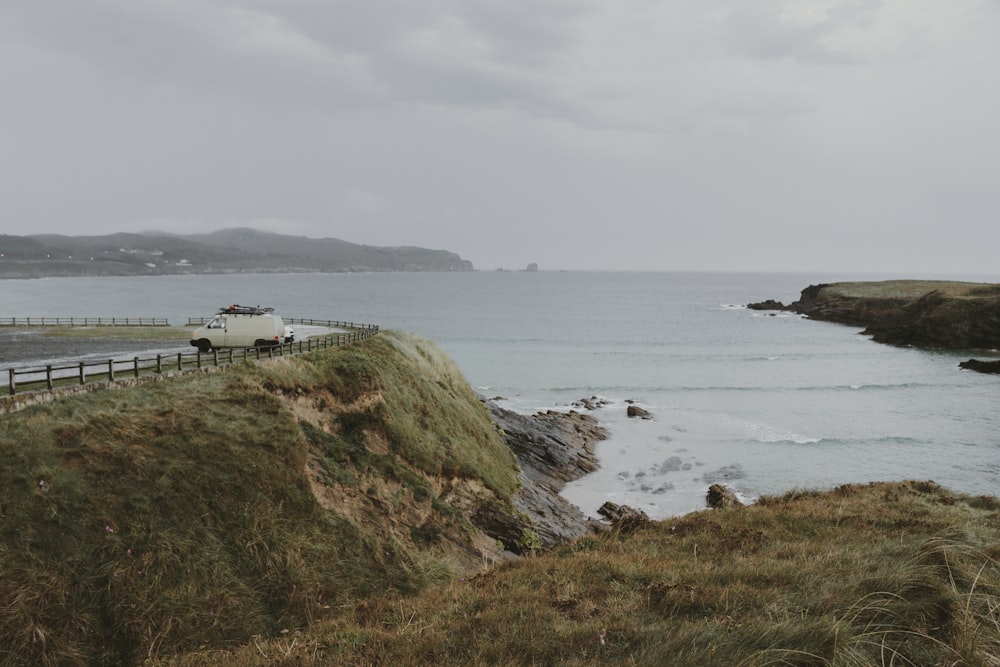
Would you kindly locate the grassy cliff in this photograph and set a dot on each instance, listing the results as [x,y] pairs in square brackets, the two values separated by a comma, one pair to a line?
[322,510]
[919,313]
[214,508]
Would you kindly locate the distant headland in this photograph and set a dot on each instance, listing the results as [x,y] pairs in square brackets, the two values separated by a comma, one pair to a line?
[236,250]
[928,314]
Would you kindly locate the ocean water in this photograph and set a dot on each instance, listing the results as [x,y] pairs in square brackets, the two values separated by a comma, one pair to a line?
[762,402]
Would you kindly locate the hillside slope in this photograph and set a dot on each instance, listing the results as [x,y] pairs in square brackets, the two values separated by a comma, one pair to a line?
[212,508]
[903,574]
[226,251]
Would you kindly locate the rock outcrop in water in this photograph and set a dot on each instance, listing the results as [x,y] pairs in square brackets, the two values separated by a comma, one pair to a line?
[924,314]
[981,366]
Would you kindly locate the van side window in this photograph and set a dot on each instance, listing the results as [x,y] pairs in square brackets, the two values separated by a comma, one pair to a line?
[217,323]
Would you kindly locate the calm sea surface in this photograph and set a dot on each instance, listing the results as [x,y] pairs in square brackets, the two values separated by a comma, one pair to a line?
[763,403]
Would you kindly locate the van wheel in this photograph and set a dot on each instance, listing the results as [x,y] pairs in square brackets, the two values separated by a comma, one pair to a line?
[204,345]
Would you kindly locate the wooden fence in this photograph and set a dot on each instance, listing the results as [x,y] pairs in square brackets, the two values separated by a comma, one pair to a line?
[79,373]
[84,322]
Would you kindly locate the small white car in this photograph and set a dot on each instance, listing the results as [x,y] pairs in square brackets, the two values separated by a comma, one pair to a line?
[241,326]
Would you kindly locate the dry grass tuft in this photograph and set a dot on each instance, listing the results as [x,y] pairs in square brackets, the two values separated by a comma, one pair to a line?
[836,578]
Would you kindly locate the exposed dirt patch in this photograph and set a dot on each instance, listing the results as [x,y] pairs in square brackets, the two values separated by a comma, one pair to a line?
[391,509]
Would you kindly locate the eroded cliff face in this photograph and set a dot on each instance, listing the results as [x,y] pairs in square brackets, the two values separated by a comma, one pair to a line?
[367,460]
[368,485]
[926,314]
[453,517]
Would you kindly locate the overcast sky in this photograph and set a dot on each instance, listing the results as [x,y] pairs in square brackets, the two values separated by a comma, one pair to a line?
[858,135]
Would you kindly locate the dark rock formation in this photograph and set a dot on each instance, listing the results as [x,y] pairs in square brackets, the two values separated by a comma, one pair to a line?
[981,366]
[591,403]
[636,411]
[770,304]
[721,498]
[926,314]
[623,517]
[552,449]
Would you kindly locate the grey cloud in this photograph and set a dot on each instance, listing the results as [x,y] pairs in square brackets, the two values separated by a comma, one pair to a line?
[722,134]
[330,56]
[760,32]
[223,49]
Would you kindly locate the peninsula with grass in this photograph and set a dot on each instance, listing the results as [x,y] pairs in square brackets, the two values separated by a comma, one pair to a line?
[927,314]
[361,505]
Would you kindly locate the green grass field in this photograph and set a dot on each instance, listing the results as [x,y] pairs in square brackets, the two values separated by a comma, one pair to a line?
[911,289]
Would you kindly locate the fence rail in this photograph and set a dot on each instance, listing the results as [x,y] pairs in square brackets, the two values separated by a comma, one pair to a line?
[332,324]
[52,376]
[84,322]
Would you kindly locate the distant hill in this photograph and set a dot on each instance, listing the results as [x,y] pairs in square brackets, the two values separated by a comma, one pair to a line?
[237,250]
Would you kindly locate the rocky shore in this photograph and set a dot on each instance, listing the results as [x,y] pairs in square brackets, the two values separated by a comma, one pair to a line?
[926,314]
[552,448]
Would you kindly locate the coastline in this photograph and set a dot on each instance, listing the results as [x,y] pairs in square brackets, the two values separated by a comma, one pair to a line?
[930,315]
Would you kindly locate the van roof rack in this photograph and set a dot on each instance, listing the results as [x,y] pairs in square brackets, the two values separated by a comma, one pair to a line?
[237,309]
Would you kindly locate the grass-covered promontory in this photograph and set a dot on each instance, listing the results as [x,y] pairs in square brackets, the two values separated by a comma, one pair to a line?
[212,508]
[934,314]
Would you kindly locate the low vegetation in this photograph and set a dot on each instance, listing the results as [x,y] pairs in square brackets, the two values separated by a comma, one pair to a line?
[196,513]
[911,289]
[886,574]
[321,509]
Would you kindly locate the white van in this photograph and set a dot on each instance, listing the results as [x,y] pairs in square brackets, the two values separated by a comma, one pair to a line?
[240,326]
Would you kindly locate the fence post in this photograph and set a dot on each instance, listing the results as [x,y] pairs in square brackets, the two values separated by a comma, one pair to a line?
[13,388]
[48,376]
[135,365]
[215,357]
[180,361]
[83,373]
[159,365]
[111,370]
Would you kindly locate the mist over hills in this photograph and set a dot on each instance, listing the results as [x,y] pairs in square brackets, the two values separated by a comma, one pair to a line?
[234,250]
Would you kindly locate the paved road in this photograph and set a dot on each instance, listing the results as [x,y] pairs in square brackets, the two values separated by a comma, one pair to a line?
[27,347]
